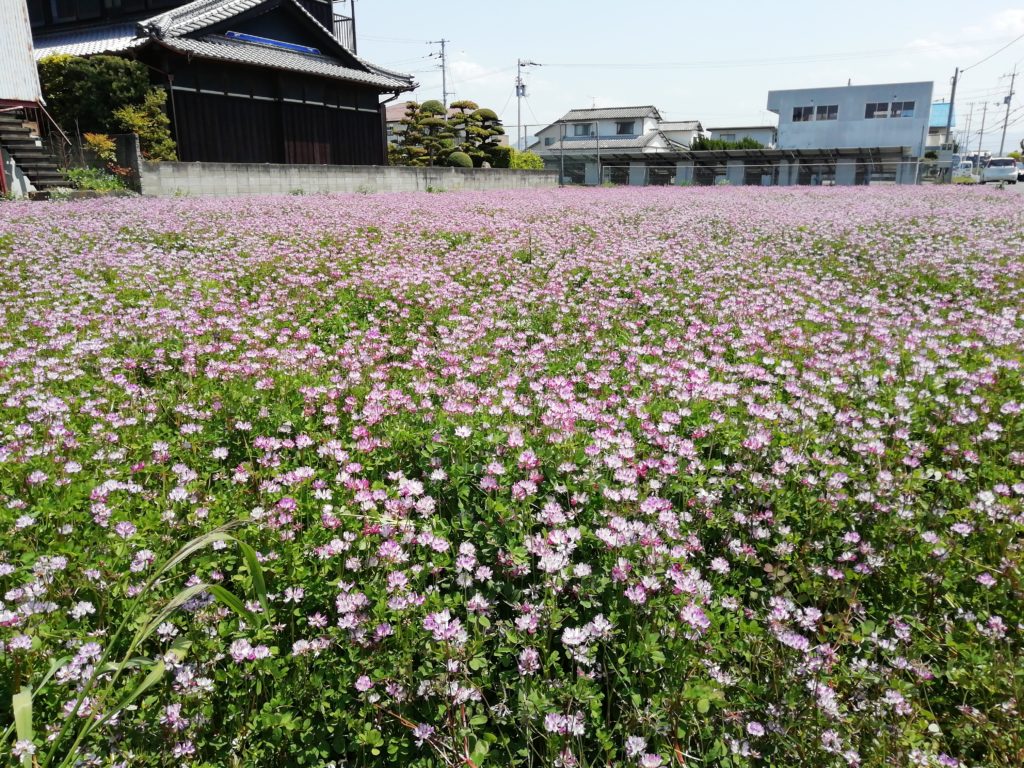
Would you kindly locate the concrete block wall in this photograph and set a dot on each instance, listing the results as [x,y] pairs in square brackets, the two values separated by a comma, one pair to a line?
[224,179]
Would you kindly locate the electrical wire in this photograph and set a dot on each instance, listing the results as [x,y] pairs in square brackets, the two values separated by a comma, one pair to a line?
[806,59]
[992,55]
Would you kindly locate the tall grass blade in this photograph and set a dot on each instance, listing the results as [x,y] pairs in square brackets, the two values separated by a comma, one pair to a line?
[21,703]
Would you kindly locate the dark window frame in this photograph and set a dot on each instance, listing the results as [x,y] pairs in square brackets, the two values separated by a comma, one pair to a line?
[872,111]
[826,112]
[903,109]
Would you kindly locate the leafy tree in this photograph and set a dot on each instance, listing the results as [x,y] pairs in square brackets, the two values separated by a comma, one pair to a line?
[409,149]
[83,94]
[704,143]
[427,138]
[430,135]
[150,122]
[488,131]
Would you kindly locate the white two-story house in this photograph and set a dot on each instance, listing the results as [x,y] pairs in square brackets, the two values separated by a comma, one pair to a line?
[623,145]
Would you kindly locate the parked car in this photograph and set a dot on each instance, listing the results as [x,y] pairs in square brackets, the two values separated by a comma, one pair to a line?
[1020,171]
[963,173]
[1000,169]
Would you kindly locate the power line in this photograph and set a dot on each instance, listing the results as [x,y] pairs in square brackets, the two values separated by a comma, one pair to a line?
[992,55]
[805,59]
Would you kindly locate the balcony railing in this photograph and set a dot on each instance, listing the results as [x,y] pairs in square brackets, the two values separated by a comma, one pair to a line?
[345,28]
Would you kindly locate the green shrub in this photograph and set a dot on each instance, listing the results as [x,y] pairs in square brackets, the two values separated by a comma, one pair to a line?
[101,145]
[460,160]
[94,178]
[501,157]
[704,143]
[83,94]
[150,122]
[526,161]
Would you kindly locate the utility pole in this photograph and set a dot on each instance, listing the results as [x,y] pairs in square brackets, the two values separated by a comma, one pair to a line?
[520,93]
[981,134]
[1006,119]
[561,157]
[952,102]
[967,132]
[444,70]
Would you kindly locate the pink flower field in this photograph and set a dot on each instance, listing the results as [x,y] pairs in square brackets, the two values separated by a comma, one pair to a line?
[650,477]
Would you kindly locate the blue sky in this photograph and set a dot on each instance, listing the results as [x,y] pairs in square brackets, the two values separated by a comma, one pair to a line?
[705,60]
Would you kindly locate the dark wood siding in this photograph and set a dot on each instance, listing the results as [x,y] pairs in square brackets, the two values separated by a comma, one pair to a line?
[256,115]
[227,130]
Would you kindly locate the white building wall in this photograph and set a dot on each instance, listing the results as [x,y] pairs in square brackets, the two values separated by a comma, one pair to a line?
[851,128]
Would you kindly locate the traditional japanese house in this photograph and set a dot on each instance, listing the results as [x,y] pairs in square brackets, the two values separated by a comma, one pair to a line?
[253,81]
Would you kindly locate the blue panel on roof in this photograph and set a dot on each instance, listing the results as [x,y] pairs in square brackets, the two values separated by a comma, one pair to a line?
[274,43]
[939,115]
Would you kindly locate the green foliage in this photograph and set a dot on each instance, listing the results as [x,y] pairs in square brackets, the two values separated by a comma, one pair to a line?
[149,120]
[101,145]
[138,624]
[704,143]
[697,482]
[501,157]
[94,179]
[524,160]
[430,136]
[460,160]
[84,94]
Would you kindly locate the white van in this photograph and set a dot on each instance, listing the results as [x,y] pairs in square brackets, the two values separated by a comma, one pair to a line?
[1000,169]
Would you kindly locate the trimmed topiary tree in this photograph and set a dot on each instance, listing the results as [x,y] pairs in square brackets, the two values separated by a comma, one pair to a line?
[460,160]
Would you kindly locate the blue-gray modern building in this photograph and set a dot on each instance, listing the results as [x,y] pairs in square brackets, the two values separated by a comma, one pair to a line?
[883,115]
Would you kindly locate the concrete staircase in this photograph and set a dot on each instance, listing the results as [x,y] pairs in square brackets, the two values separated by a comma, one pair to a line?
[34,160]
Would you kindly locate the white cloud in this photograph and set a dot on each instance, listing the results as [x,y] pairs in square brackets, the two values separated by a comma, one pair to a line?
[1006,23]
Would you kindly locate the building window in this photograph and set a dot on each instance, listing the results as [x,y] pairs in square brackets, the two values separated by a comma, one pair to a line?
[548,141]
[803,114]
[727,137]
[827,112]
[903,108]
[582,129]
[625,128]
[876,110]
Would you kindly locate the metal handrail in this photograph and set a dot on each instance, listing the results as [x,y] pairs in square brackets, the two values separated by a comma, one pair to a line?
[55,125]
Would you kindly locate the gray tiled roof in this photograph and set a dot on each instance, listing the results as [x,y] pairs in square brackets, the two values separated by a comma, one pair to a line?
[89,42]
[611,113]
[224,49]
[681,125]
[170,29]
[196,15]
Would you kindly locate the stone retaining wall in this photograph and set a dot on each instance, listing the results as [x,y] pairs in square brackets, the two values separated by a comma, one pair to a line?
[221,179]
